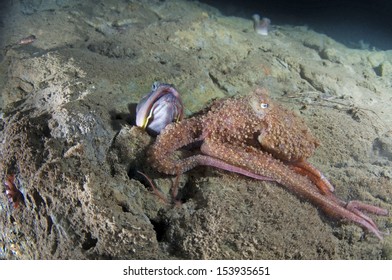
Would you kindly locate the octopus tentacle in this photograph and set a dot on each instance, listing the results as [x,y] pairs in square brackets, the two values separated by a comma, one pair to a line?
[355,204]
[305,168]
[181,134]
[214,162]
[173,137]
[261,163]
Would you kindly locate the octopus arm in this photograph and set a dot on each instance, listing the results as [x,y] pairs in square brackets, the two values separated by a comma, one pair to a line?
[261,163]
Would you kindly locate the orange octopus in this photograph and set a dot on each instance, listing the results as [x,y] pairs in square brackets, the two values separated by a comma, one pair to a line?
[257,138]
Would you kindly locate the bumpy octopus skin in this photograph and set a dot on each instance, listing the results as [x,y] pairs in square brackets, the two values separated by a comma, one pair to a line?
[259,139]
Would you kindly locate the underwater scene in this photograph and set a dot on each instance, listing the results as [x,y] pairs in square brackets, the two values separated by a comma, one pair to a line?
[174,129]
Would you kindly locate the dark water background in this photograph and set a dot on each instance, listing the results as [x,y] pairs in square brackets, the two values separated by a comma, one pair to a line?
[356,24]
[347,21]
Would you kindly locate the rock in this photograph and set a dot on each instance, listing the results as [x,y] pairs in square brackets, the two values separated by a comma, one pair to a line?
[376,58]
[384,69]
[382,146]
[331,54]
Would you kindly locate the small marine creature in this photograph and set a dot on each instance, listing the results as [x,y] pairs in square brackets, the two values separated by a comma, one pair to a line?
[27,40]
[163,105]
[260,139]
[24,41]
[13,194]
[262,25]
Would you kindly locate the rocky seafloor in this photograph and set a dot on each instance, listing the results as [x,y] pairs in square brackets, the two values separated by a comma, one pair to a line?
[67,115]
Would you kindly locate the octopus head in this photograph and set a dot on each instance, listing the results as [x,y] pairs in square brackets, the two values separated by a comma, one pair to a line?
[285,135]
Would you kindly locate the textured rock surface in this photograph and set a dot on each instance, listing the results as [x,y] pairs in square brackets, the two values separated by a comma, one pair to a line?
[67,107]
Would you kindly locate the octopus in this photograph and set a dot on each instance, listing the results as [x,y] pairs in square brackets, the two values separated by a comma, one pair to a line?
[260,139]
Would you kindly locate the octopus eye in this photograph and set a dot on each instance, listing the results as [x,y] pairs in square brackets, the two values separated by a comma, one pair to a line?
[263,105]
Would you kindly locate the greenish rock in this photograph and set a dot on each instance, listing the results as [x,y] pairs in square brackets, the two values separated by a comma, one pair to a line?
[376,58]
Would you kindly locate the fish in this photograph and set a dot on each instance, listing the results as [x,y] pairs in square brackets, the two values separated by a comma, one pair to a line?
[163,105]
